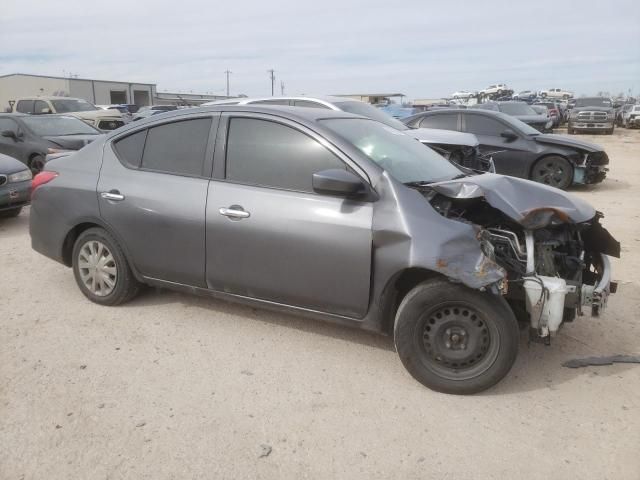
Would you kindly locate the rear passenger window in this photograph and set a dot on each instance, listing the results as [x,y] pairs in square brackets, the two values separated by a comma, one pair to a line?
[260,152]
[442,122]
[24,106]
[177,147]
[129,149]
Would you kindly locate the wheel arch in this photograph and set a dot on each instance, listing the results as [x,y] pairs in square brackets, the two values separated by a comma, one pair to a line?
[397,287]
[84,225]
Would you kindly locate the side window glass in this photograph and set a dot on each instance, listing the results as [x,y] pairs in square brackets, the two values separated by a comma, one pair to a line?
[481,125]
[442,122]
[41,107]
[177,147]
[264,153]
[8,124]
[129,149]
[25,106]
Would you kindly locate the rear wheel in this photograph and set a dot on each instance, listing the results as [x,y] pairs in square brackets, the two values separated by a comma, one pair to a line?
[36,164]
[453,339]
[554,171]
[101,269]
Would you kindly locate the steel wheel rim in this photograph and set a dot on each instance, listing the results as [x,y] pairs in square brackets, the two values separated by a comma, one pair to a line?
[97,268]
[552,172]
[456,342]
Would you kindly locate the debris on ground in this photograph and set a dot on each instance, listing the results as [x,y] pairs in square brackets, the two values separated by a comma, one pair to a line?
[599,361]
[266,450]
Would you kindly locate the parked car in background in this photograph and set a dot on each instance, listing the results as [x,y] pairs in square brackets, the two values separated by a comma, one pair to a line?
[496,89]
[357,222]
[458,146]
[632,117]
[161,108]
[623,113]
[397,111]
[554,112]
[555,93]
[521,151]
[123,109]
[30,138]
[521,111]
[592,114]
[525,96]
[15,186]
[463,94]
[87,112]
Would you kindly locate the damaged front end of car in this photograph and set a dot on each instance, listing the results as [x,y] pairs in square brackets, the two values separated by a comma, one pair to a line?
[552,246]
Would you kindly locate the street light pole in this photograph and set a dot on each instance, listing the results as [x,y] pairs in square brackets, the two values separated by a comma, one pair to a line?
[228,72]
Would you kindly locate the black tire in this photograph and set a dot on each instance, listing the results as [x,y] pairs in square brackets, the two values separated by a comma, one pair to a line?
[36,164]
[435,356]
[553,170]
[125,286]
[13,212]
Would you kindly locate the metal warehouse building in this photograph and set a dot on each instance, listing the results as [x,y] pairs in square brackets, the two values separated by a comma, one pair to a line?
[98,92]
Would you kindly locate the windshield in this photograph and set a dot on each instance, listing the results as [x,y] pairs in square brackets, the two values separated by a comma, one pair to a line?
[369,111]
[405,158]
[57,126]
[593,102]
[72,105]
[517,109]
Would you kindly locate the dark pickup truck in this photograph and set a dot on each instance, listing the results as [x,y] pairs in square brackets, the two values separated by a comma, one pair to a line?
[592,114]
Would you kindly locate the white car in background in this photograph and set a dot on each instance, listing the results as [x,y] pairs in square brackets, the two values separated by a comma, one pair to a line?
[556,93]
[631,118]
[493,89]
[463,94]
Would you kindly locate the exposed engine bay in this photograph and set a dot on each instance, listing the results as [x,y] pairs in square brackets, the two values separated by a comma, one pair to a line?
[555,261]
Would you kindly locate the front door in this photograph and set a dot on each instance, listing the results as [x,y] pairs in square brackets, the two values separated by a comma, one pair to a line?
[153,193]
[270,237]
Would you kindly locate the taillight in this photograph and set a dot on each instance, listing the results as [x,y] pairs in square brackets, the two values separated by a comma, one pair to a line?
[42,178]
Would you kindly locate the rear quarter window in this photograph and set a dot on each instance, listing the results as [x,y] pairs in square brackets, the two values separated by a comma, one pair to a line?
[129,149]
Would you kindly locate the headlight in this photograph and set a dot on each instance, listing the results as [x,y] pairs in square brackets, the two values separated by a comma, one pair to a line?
[22,176]
[57,150]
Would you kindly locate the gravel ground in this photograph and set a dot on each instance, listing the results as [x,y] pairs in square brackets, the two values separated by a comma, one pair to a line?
[175,386]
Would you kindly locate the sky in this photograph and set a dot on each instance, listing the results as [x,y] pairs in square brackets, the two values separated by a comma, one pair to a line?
[423,49]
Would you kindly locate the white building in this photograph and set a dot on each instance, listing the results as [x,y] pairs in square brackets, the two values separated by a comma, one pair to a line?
[98,92]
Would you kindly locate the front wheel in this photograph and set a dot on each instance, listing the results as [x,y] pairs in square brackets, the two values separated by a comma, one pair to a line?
[554,171]
[13,212]
[453,339]
[101,269]
[36,164]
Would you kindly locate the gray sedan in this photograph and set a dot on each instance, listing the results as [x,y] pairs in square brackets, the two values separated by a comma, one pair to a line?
[329,215]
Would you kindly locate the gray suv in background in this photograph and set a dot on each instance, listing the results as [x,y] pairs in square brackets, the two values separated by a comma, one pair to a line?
[329,215]
[592,114]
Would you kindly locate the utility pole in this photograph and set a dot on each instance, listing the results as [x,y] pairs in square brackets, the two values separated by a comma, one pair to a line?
[228,72]
[272,76]
[281,88]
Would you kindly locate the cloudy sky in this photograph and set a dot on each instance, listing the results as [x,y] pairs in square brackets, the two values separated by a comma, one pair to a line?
[423,48]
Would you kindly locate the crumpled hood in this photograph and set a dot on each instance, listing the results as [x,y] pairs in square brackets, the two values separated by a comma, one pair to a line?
[567,142]
[448,137]
[528,203]
[72,142]
[94,114]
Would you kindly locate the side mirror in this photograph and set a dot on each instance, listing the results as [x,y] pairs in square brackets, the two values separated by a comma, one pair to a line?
[509,135]
[10,134]
[337,182]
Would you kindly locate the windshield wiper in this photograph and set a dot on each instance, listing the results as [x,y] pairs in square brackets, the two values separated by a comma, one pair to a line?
[460,175]
[419,183]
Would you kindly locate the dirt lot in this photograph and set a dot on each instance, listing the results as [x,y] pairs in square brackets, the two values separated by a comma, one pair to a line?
[174,386]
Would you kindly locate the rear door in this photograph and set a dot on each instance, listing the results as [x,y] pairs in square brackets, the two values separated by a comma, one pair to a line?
[153,193]
[269,236]
[511,157]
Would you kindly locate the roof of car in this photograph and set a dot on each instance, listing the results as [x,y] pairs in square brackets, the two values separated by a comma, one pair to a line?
[49,97]
[294,113]
[323,98]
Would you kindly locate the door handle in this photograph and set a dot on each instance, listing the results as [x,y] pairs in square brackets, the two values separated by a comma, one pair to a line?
[234,211]
[113,195]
